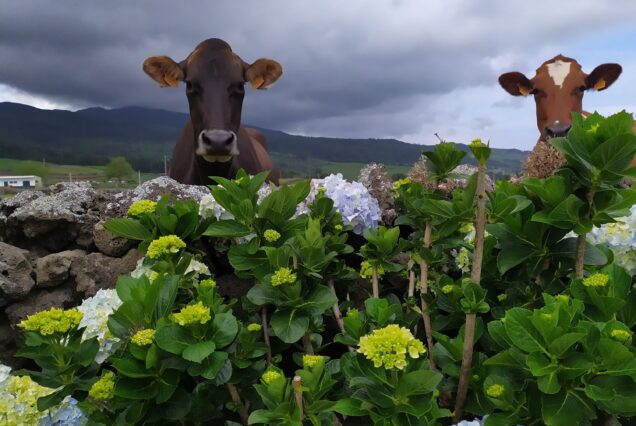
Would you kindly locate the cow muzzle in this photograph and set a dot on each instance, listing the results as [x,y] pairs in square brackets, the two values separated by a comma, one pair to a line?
[557,129]
[217,145]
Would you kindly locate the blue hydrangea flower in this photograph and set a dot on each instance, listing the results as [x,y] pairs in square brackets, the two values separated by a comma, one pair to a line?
[65,414]
[621,238]
[351,199]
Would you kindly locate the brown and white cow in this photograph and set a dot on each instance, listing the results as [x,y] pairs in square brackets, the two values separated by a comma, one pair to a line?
[558,87]
[213,142]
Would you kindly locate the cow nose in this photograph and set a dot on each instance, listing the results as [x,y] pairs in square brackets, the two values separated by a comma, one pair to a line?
[217,139]
[556,129]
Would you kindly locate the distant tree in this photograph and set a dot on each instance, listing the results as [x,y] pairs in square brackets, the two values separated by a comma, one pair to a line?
[34,168]
[118,168]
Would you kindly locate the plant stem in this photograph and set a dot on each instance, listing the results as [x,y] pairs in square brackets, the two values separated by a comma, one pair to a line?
[266,335]
[411,292]
[426,318]
[309,349]
[298,395]
[475,277]
[336,309]
[295,262]
[236,398]
[580,255]
[374,282]
[580,242]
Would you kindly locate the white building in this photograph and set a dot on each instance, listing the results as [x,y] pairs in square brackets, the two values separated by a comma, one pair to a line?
[20,181]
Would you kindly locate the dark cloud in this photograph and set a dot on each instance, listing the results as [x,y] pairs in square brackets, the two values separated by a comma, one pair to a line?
[354,68]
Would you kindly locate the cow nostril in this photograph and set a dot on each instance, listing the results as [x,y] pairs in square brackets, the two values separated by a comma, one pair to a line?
[229,140]
[206,140]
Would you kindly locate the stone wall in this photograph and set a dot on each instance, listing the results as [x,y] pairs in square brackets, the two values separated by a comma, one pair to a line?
[55,251]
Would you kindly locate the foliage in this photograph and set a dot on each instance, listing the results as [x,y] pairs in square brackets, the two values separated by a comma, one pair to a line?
[119,168]
[551,345]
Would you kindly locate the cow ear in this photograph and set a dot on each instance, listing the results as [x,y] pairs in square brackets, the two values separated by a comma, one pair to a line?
[603,76]
[516,84]
[163,70]
[263,73]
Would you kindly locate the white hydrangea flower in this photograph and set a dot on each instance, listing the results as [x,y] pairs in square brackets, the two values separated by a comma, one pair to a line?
[208,207]
[621,238]
[5,372]
[96,310]
[198,267]
[141,269]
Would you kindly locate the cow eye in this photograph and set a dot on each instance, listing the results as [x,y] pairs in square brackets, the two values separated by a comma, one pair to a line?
[191,88]
[239,89]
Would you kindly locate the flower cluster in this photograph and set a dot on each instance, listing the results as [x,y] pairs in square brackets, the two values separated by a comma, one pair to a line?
[387,347]
[621,238]
[18,404]
[271,235]
[54,320]
[168,244]
[18,399]
[104,388]
[254,327]
[401,182]
[351,199]
[207,284]
[448,289]
[310,361]
[620,335]
[596,280]
[209,207]
[495,390]
[270,376]
[143,337]
[95,312]
[193,314]
[462,259]
[141,208]
[366,270]
[66,414]
[198,267]
[283,276]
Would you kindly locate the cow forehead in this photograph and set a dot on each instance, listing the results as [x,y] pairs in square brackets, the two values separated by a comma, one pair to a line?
[559,71]
[214,58]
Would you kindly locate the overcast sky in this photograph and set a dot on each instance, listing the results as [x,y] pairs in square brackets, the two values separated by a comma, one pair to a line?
[354,68]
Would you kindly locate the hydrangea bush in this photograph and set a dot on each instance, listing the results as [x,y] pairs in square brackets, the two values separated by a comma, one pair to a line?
[504,307]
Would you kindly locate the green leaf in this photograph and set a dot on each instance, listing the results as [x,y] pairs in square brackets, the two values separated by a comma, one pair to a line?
[127,228]
[418,382]
[178,406]
[173,338]
[562,343]
[136,388]
[227,228]
[289,325]
[349,407]
[197,352]
[167,293]
[225,329]
[521,331]
[131,368]
[210,367]
[565,408]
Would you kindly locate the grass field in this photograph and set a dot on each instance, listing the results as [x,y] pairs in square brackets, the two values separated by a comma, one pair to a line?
[66,172]
[291,168]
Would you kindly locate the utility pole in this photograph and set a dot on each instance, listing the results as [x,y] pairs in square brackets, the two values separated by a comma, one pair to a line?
[44,163]
[70,177]
[139,176]
[165,165]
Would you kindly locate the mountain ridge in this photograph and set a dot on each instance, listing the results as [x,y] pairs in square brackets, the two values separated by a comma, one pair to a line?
[145,135]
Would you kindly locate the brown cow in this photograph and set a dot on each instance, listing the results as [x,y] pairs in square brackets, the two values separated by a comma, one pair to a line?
[213,142]
[558,87]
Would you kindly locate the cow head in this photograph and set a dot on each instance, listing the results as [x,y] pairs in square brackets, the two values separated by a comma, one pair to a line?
[558,88]
[214,77]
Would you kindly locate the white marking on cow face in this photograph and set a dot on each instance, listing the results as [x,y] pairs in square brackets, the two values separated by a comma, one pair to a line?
[559,71]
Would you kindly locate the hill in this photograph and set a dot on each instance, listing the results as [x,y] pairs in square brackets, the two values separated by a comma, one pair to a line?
[143,135]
